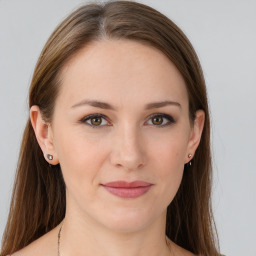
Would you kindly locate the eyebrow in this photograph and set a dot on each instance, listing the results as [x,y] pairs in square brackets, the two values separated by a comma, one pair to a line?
[104,105]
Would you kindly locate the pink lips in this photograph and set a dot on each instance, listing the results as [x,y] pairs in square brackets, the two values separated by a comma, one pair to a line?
[127,189]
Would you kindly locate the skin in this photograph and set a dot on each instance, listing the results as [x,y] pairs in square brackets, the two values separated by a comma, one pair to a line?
[129,144]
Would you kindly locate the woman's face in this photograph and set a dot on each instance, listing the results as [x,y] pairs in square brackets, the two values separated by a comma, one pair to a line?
[122,115]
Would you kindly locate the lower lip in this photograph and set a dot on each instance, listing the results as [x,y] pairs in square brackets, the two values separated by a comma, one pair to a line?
[128,192]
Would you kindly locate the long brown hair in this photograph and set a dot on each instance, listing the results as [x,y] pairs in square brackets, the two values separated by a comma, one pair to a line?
[38,200]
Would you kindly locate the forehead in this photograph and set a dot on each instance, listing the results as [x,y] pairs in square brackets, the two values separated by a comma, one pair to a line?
[121,71]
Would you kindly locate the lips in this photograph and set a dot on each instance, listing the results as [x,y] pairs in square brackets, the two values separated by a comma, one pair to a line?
[127,189]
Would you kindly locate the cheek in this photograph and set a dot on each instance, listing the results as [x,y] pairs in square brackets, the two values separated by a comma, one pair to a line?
[171,164]
[80,159]
[171,150]
[169,158]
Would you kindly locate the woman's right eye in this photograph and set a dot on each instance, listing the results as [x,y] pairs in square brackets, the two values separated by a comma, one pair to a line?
[95,121]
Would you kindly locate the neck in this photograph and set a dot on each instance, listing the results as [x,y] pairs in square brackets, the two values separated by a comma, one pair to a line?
[80,237]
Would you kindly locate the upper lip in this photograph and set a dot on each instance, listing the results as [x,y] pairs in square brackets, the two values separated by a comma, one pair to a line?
[125,184]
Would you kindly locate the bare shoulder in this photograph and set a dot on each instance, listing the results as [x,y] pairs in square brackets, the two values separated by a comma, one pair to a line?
[45,245]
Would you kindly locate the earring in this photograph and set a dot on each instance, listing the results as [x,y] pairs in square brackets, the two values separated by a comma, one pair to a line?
[50,157]
[190,155]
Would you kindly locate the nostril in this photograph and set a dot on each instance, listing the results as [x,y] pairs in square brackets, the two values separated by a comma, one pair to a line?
[128,161]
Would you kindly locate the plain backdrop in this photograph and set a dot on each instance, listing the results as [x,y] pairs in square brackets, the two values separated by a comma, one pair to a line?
[223,33]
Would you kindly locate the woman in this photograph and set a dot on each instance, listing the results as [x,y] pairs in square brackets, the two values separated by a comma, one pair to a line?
[115,158]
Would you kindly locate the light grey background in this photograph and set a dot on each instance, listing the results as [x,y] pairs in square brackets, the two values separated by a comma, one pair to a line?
[223,33]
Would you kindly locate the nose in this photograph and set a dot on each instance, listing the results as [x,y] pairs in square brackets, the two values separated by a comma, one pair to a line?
[128,152]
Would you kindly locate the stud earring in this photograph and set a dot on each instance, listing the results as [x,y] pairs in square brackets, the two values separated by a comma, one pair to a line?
[50,157]
[190,155]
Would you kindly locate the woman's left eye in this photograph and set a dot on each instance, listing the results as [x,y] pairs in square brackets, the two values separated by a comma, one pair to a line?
[161,120]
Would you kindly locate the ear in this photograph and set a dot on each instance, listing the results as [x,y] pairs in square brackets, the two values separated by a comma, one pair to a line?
[44,135]
[195,135]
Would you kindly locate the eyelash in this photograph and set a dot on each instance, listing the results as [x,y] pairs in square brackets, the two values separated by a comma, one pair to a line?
[170,119]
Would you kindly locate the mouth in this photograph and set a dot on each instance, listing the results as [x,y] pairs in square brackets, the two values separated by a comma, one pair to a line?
[127,189]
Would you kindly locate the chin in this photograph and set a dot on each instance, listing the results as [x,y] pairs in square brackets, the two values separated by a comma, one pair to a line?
[128,220]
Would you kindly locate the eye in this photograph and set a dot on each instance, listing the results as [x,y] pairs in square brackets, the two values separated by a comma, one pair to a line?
[99,120]
[161,120]
[95,120]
